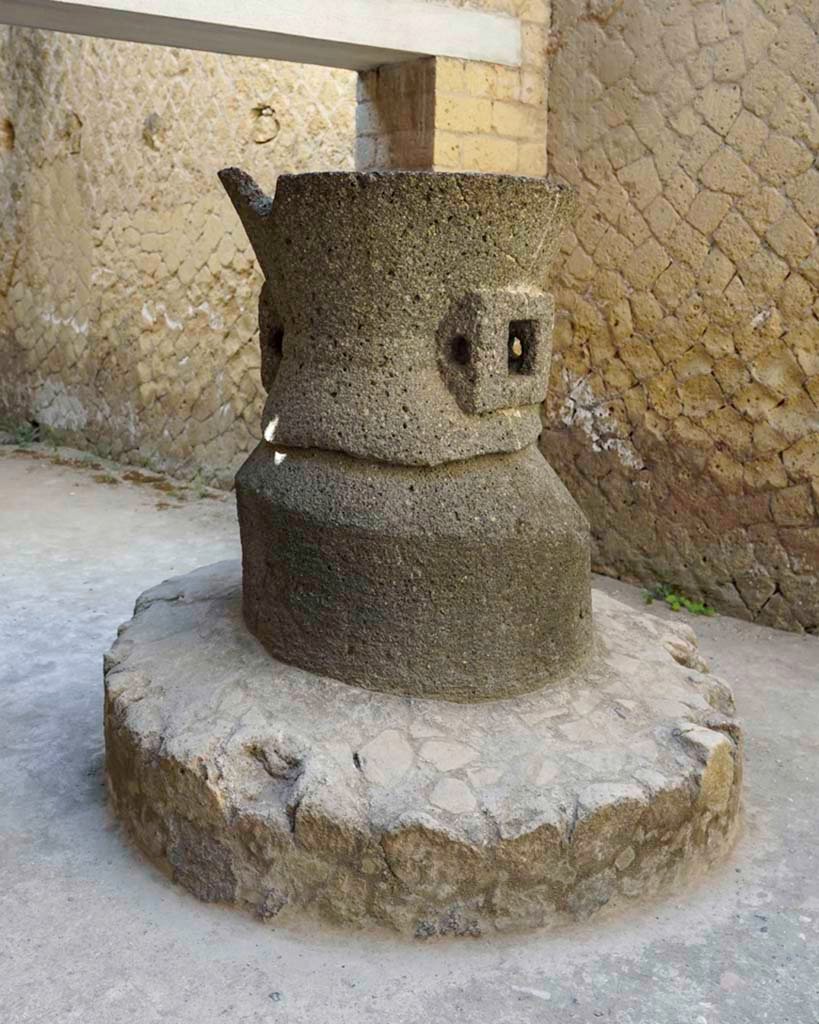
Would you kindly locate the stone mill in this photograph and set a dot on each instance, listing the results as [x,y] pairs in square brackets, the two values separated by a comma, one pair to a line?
[400,529]
[404,708]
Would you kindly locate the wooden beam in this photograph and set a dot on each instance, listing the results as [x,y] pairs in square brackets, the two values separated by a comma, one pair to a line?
[355,34]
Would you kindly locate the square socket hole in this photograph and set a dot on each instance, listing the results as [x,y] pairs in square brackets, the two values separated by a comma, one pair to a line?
[521,346]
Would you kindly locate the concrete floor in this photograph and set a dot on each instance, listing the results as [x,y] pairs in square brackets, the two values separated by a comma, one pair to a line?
[92,934]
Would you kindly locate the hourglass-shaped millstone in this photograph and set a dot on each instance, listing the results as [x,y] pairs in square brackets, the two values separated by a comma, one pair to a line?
[400,529]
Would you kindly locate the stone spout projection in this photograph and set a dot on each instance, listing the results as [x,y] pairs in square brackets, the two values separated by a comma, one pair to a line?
[400,529]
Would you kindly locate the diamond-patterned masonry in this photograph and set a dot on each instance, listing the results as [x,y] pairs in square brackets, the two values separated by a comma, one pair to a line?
[683,408]
[128,292]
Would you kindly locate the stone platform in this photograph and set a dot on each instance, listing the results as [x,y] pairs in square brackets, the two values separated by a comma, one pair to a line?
[261,785]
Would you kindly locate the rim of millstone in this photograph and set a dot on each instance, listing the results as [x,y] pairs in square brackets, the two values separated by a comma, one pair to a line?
[260,785]
[549,184]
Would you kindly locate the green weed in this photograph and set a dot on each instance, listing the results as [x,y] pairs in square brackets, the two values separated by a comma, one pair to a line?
[675,601]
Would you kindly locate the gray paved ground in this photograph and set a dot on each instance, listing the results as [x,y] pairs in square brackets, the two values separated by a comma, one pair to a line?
[90,933]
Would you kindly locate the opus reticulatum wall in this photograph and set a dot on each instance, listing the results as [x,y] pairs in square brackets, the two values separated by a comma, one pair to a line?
[128,293]
[682,412]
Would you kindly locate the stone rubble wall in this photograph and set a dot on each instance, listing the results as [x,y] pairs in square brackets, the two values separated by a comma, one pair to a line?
[128,292]
[683,405]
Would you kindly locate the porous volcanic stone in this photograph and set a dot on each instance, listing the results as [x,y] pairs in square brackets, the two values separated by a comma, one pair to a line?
[261,785]
[371,278]
[400,530]
[467,581]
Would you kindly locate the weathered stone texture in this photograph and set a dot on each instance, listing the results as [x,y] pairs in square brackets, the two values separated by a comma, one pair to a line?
[462,582]
[127,287]
[682,412]
[400,529]
[374,279]
[260,785]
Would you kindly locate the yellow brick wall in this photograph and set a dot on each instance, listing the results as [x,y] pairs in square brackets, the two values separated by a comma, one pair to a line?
[684,404]
[461,115]
[395,117]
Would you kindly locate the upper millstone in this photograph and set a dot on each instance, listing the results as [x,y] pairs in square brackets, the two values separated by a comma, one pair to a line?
[403,317]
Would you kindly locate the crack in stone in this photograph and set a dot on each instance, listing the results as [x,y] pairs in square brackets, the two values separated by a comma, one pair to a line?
[571,825]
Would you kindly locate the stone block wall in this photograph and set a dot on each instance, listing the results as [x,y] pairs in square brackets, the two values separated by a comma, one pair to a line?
[684,406]
[128,292]
[461,115]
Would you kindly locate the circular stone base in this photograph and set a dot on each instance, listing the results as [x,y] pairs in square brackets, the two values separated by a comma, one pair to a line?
[262,785]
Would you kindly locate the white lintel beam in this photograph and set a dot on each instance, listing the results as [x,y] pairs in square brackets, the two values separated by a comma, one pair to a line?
[356,34]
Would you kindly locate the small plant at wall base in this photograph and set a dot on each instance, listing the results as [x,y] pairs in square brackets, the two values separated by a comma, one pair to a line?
[28,432]
[20,434]
[675,601]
